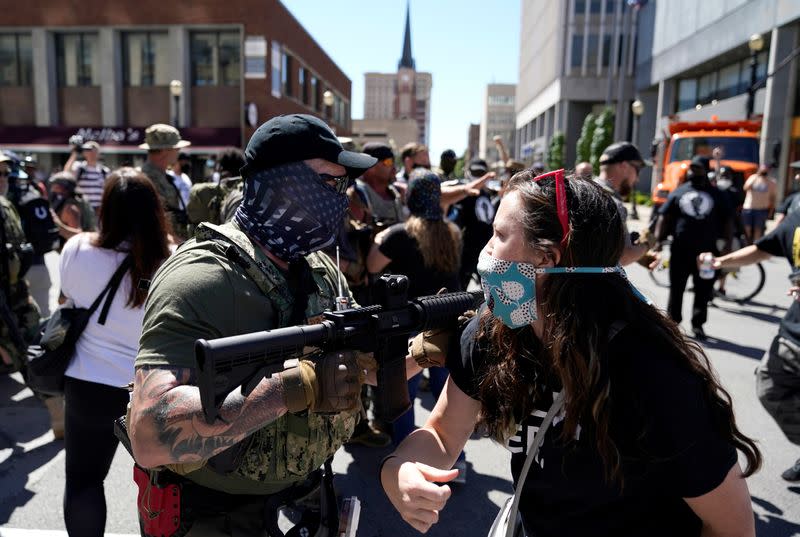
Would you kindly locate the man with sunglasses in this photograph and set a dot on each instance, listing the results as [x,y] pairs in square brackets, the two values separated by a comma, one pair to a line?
[620,165]
[262,270]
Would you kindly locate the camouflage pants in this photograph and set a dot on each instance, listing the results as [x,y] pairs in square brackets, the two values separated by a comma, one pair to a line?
[778,385]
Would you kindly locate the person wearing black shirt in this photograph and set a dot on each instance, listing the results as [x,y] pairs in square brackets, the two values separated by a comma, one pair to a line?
[426,248]
[474,216]
[646,443]
[696,214]
[778,375]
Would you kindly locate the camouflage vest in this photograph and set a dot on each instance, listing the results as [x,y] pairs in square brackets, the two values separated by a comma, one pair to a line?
[290,448]
[20,302]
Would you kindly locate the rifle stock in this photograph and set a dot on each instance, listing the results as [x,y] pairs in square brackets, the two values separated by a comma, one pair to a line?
[225,364]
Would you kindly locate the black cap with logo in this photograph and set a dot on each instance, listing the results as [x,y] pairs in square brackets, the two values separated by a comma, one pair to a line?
[378,150]
[623,152]
[297,137]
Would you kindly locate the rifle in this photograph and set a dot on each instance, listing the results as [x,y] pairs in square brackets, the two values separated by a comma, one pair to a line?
[383,329]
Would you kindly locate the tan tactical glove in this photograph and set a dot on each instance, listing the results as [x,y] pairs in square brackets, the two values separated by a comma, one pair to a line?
[429,348]
[329,383]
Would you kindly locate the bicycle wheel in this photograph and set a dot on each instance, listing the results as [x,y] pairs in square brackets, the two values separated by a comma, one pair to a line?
[742,284]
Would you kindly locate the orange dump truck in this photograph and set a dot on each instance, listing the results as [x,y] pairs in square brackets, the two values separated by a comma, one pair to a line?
[738,141]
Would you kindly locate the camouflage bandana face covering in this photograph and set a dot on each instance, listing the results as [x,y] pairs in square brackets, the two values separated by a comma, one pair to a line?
[290,210]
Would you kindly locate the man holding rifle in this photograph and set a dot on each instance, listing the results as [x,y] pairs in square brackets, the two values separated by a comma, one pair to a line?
[263,270]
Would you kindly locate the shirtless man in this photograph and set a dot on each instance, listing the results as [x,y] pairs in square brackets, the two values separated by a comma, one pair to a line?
[759,202]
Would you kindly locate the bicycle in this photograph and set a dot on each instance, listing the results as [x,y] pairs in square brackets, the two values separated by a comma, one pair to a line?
[738,285]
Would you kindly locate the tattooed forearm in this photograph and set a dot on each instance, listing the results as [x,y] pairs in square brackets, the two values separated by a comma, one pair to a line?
[167,421]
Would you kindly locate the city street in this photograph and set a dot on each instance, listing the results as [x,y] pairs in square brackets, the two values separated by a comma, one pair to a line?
[32,464]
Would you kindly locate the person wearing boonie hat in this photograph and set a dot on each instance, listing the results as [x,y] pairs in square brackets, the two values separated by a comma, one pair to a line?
[620,165]
[260,271]
[163,144]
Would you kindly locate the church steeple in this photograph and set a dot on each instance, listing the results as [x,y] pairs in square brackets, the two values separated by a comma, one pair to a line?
[407,60]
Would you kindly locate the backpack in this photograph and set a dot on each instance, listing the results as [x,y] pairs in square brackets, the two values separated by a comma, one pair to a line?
[37,222]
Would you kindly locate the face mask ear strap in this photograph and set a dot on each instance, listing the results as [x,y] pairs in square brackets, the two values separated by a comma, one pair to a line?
[561,201]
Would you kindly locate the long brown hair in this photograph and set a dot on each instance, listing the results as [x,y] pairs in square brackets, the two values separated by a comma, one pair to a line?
[578,310]
[132,220]
[438,241]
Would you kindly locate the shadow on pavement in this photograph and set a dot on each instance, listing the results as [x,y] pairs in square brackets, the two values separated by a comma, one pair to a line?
[379,518]
[24,443]
[766,317]
[796,490]
[772,524]
[754,353]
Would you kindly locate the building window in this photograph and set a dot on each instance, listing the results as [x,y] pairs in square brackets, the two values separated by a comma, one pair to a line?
[687,93]
[314,93]
[301,85]
[16,60]
[611,6]
[728,83]
[215,58]
[286,75]
[595,6]
[76,57]
[145,59]
[276,69]
[580,7]
[577,51]
[607,50]
[255,57]
[592,50]
[706,88]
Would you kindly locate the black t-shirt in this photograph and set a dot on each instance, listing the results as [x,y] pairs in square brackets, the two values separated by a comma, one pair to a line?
[474,215]
[699,216]
[784,241]
[406,258]
[677,455]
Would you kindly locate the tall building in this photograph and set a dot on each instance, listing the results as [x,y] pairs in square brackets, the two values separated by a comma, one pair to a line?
[402,95]
[579,62]
[473,141]
[498,119]
[107,73]
[702,68]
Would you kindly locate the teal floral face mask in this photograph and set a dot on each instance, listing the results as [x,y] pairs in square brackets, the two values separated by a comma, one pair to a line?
[509,287]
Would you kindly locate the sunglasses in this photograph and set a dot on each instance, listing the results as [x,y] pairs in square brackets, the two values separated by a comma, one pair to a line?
[388,162]
[561,200]
[340,184]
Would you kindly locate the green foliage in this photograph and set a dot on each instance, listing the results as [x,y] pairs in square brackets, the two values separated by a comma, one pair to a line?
[602,137]
[458,171]
[642,198]
[555,152]
[584,143]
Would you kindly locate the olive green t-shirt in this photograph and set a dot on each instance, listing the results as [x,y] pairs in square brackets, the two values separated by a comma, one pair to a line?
[200,293]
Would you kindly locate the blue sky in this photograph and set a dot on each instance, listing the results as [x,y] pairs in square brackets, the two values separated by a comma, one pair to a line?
[465,45]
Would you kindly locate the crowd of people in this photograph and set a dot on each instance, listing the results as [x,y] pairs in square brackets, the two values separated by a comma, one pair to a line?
[267,243]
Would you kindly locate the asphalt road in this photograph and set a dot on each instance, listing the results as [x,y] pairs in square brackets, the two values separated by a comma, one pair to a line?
[32,464]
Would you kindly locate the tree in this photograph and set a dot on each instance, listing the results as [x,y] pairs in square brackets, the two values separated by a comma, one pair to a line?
[555,152]
[584,143]
[458,171]
[602,137]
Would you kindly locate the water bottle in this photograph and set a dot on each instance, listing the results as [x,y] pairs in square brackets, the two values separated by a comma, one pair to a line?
[707,267]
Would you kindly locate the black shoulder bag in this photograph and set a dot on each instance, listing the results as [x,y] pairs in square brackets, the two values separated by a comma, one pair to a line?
[49,359]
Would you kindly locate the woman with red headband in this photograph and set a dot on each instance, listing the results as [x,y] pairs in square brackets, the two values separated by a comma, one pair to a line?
[616,422]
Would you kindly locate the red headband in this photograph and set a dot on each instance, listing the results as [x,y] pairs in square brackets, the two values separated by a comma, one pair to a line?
[561,200]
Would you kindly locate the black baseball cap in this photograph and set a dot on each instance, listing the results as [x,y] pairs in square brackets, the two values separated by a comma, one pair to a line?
[701,162]
[623,152]
[478,167]
[296,137]
[448,154]
[378,150]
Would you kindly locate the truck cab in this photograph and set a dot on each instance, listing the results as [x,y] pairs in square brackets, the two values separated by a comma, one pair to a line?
[737,140]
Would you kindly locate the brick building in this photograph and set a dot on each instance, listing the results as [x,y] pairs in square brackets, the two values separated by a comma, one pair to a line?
[104,70]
